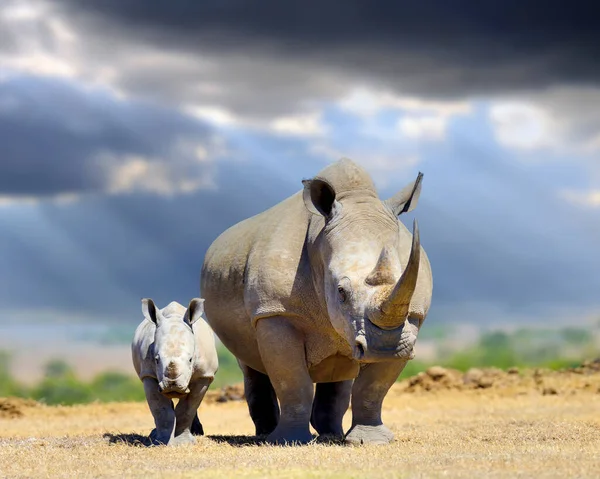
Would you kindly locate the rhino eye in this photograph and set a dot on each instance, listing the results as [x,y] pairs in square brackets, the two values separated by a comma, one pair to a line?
[191,359]
[156,358]
[342,294]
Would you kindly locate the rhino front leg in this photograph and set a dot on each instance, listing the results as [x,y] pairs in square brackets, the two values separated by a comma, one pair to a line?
[187,409]
[261,399]
[369,390]
[163,412]
[282,351]
[329,406]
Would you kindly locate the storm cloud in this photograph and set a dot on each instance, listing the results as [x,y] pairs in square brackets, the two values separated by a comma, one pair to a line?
[58,138]
[155,126]
[433,47]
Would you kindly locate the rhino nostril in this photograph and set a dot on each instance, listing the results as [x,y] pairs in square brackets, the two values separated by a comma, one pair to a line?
[171,371]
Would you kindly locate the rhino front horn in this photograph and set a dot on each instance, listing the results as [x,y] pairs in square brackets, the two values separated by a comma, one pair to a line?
[394,309]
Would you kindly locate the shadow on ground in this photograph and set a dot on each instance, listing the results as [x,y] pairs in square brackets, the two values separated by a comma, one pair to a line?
[137,440]
[238,441]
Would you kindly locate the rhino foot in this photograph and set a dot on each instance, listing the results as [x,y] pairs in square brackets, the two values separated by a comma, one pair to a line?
[290,436]
[361,434]
[159,439]
[330,438]
[185,437]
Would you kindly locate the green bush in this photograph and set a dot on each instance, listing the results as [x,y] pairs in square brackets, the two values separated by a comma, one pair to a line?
[229,371]
[8,385]
[114,386]
[61,386]
[67,391]
[413,368]
[522,348]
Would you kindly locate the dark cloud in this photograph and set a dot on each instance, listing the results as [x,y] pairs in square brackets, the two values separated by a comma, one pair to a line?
[60,138]
[434,47]
[494,234]
[101,255]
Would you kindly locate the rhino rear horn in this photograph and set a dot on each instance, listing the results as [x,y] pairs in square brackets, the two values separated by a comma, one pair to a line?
[383,272]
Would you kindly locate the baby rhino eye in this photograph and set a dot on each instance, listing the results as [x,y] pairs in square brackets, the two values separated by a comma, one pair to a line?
[342,295]
[191,359]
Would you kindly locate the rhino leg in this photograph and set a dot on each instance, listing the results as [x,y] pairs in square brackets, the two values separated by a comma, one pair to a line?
[197,429]
[187,410]
[369,390]
[329,406]
[282,350]
[261,399]
[163,412]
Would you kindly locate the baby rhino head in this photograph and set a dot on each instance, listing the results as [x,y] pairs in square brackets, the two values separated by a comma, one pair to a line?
[174,344]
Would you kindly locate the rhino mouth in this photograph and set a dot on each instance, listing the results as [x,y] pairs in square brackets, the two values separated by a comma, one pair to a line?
[374,344]
[174,394]
[173,391]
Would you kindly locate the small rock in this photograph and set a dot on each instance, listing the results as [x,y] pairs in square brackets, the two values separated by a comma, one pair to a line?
[436,372]
[549,391]
[472,376]
[485,382]
[513,370]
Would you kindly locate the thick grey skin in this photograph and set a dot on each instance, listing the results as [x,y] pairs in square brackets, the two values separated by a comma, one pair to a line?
[174,355]
[271,287]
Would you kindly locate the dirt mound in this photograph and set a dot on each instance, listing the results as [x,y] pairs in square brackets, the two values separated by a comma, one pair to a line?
[585,377]
[15,407]
[591,366]
[233,392]
[438,378]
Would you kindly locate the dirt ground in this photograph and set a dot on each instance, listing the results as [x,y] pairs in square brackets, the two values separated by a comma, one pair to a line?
[485,423]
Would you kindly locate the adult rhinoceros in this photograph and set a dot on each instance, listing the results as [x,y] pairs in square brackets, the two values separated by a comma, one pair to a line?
[326,287]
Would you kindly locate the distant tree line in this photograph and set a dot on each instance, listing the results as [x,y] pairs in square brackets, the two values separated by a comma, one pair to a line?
[550,348]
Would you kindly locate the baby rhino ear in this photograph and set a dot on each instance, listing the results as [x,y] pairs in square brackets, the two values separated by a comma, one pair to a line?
[149,310]
[194,311]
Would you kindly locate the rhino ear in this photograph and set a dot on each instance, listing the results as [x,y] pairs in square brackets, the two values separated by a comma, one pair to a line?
[406,199]
[319,197]
[149,310]
[194,311]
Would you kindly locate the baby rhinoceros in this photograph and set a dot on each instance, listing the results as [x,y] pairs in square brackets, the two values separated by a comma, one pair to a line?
[174,355]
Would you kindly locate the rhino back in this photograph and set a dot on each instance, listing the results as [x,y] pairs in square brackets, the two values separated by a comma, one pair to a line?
[260,267]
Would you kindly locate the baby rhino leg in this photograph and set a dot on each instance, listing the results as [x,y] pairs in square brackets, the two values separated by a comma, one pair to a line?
[187,411]
[163,412]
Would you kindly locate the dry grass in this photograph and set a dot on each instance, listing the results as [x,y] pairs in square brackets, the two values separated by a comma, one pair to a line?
[474,433]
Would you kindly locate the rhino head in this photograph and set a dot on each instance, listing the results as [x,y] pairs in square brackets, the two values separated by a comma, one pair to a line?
[174,344]
[367,262]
